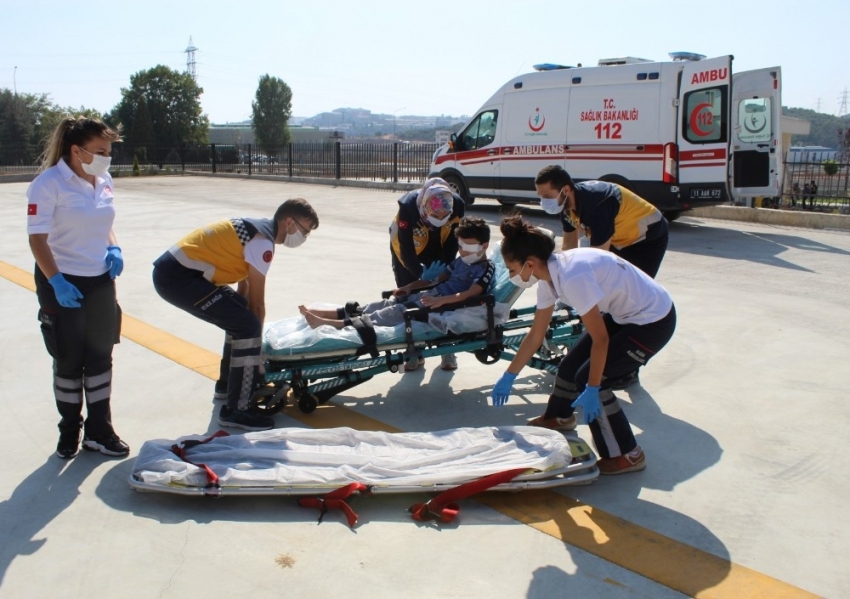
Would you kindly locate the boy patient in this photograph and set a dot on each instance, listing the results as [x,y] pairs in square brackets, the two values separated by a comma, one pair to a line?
[468,275]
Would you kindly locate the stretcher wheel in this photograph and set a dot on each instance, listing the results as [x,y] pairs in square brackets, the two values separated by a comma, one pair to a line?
[488,355]
[270,400]
[307,402]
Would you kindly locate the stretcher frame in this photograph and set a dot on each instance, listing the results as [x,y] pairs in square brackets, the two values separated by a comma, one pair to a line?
[312,379]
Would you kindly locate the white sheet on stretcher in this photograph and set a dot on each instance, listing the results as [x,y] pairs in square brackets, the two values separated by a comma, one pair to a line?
[338,456]
[294,334]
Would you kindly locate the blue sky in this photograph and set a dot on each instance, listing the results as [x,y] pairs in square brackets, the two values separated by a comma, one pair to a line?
[435,57]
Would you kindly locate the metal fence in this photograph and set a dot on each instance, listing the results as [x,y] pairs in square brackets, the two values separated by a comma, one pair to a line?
[829,171]
[373,161]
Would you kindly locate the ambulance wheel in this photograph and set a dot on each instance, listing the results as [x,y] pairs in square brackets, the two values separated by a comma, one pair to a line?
[459,188]
[672,215]
[307,403]
[270,400]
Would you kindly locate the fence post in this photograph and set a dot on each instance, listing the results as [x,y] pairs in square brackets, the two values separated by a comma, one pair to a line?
[212,150]
[249,160]
[289,157]
[395,162]
[337,160]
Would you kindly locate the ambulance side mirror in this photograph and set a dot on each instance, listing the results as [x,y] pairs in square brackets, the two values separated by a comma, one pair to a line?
[453,145]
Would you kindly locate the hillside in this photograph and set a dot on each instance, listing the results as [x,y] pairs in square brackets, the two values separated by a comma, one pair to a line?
[825,127]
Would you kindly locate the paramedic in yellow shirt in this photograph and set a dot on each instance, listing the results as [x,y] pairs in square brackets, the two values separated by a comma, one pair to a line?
[611,216]
[196,275]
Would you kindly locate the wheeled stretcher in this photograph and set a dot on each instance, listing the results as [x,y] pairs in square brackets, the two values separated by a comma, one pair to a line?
[487,326]
[337,462]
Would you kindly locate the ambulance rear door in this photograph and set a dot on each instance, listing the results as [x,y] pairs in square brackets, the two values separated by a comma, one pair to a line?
[703,131]
[756,133]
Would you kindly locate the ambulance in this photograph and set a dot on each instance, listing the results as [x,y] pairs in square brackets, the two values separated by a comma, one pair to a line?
[682,133]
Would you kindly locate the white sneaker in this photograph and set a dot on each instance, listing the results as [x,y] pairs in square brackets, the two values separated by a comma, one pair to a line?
[449,362]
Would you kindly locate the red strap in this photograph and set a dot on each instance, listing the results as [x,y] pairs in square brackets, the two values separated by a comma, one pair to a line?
[335,500]
[180,451]
[443,506]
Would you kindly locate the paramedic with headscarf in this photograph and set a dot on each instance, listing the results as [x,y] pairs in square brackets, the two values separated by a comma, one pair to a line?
[422,233]
[70,212]
[628,318]
[196,275]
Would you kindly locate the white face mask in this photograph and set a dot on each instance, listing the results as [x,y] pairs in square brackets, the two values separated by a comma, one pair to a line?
[98,165]
[551,205]
[517,279]
[293,240]
[435,222]
[471,258]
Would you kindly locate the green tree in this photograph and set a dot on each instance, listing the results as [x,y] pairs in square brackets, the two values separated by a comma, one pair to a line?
[172,102]
[270,112]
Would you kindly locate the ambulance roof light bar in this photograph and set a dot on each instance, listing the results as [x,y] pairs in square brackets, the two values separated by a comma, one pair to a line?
[689,56]
[607,62]
[548,66]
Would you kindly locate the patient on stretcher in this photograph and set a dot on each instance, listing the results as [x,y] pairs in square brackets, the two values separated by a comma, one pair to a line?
[471,274]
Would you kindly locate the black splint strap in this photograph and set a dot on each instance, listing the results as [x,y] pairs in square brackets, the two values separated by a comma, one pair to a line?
[363,325]
[350,310]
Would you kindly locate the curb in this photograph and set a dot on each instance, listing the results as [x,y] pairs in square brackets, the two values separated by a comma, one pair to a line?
[769,216]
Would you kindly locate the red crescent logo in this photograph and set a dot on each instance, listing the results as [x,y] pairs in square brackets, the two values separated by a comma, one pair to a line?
[533,117]
[267,256]
[693,120]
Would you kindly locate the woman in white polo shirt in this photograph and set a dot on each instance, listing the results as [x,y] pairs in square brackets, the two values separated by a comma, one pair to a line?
[627,318]
[70,212]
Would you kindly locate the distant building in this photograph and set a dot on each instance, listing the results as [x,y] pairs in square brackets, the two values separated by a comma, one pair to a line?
[243,133]
[813,154]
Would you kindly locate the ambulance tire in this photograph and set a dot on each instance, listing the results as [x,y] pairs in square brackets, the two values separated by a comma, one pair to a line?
[618,180]
[459,187]
[672,215]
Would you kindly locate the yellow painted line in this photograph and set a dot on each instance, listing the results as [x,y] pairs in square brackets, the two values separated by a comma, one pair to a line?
[668,562]
[17,275]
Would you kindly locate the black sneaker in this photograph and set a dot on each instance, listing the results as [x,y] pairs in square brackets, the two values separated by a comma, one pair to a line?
[69,443]
[623,382]
[111,445]
[220,392]
[249,419]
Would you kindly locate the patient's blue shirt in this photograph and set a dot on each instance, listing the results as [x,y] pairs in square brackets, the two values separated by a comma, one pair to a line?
[462,276]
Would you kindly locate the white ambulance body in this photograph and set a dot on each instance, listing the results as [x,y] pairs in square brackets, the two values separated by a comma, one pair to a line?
[681,133]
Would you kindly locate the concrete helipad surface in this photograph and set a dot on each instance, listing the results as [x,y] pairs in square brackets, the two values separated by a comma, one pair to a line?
[743,419]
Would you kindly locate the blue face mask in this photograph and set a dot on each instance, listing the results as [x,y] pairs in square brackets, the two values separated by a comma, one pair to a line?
[551,205]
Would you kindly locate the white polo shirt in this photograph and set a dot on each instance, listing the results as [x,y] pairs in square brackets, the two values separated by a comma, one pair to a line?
[76,217]
[587,277]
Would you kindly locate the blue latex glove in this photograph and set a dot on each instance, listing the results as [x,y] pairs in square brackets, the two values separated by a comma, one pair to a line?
[589,403]
[66,294]
[114,260]
[502,390]
[433,270]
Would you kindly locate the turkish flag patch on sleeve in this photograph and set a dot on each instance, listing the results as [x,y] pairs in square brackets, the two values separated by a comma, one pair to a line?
[267,256]
[32,209]
[402,224]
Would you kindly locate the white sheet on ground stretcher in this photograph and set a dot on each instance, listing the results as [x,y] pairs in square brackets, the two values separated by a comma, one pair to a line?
[338,456]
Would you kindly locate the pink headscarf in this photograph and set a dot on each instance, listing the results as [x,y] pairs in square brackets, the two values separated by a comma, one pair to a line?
[435,196]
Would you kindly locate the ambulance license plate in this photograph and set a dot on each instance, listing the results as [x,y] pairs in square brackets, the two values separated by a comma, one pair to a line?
[697,193]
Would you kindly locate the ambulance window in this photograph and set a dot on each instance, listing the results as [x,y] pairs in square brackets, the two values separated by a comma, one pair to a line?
[705,116]
[754,124]
[481,132]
